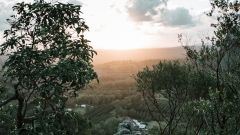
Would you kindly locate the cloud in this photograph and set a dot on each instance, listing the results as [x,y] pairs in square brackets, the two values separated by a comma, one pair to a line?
[156,11]
[143,10]
[5,12]
[75,2]
[177,17]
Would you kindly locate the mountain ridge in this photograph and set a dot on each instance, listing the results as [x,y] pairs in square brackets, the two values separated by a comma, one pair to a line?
[107,55]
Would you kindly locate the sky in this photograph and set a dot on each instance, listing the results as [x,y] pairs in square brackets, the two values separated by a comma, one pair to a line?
[130,24]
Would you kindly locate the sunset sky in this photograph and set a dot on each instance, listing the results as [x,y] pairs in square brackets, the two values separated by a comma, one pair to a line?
[128,24]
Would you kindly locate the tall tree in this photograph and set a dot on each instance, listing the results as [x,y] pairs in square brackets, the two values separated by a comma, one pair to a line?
[212,86]
[220,58]
[49,61]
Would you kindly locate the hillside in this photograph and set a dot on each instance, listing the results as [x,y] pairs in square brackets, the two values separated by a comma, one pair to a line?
[104,56]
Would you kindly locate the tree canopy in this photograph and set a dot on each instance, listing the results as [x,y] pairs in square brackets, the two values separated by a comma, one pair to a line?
[211,86]
[49,60]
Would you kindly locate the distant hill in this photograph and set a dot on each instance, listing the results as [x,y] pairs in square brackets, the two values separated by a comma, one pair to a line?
[105,55]
[138,54]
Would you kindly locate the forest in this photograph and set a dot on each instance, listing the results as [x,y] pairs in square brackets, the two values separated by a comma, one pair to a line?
[114,97]
[49,84]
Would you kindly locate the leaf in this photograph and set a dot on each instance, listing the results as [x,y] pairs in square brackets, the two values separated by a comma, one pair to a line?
[78,29]
[23,41]
[73,84]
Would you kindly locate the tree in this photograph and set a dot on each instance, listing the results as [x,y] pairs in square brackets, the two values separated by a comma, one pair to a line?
[173,80]
[212,86]
[154,131]
[97,130]
[111,125]
[220,59]
[49,60]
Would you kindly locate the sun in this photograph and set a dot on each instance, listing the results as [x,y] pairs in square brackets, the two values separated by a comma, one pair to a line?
[119,39]
[111,28]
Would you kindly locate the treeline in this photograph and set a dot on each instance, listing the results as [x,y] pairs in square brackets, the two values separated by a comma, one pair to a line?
[100,113]
[100,97]
[118,75]
[130,66]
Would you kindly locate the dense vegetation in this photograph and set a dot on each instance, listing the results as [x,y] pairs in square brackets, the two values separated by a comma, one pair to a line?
[115,90]
[205,90]
[45,67]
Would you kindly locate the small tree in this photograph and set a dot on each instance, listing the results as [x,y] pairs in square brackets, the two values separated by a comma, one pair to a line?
[49,60]
[111,125]
[176,82]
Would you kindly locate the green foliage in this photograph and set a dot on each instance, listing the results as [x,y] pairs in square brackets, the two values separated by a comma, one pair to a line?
[100,97]
[97,130]
[8,119]
[139,110]
[100,113]
[173,81]
[3,88]
[154,131]
[107,127]
[219,60]
[203,96]
[111,125]
[69,123]
[49,61]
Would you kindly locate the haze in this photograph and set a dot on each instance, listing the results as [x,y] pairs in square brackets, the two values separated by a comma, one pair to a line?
[131,24]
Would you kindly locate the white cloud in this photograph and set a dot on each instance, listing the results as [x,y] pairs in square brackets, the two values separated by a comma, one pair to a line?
[134,23]
[177,17]
[5,12]
[77,2]
[157,11]
[143,10]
